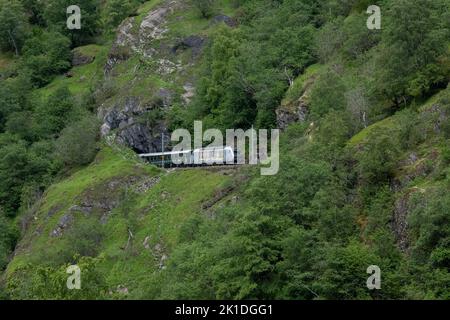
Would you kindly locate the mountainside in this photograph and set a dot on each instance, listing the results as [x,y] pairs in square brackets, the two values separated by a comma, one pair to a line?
[364,174]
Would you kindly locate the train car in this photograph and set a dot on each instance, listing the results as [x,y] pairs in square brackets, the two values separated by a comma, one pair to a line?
[213,155]
[202,156]
[164,159]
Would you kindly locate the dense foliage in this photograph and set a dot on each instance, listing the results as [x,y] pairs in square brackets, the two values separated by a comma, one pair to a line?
[32,125]
[311,231]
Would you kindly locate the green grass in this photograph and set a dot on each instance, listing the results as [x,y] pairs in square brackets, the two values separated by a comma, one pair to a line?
[134,78]
[83,77]
[138,76]
[157,213]
[7,61]
[434,99]
[176,198]
[189,22]
[390,122]
[91,50]
[108,165]
[361,136]
[144,9]
[298,88]
[186,23]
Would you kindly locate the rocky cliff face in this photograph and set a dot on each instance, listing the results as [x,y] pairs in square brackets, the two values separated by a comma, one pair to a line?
[295,113]
[125,118]
[133,37]
[297,110]
[150,68]
[136,119]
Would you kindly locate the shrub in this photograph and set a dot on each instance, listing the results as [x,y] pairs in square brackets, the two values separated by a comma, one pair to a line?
[328,94]
[13,25]
[206,7]
[56,17]
[46,55]
[7,240]
[77,144]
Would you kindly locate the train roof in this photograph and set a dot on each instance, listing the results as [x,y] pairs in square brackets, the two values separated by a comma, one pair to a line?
[158,154]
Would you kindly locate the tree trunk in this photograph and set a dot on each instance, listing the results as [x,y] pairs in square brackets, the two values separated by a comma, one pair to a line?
[13,43]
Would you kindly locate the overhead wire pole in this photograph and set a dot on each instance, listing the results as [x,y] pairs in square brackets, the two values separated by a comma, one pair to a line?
[162,149]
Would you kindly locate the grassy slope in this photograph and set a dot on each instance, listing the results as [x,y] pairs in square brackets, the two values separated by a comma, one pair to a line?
[6,61]
[298,88]
[418,175]
[157,213]
[83,77]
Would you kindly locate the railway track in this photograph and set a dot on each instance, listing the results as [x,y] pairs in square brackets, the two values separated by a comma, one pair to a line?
[209,167]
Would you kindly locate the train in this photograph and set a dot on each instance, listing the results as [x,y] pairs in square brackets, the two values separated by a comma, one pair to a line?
[189,158]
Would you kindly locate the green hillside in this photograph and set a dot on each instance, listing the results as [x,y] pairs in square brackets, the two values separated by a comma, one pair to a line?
[119,209]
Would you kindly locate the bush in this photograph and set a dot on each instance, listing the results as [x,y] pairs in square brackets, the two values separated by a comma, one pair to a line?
[379,158]
[77,144]
[20,166]
[41,282]
[7,240]
[116,11]
[55,113]
[83,239]
[13,25]
[14,94]
[206,7]
[429,228]
[14,171]
[56,17]
[46,55]
[328,94]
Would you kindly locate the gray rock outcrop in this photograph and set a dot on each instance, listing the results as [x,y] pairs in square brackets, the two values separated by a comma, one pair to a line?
[63,224]
[125,117]
[195,43]
[295,112]
[225,19]
[139,40]
[79,59]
